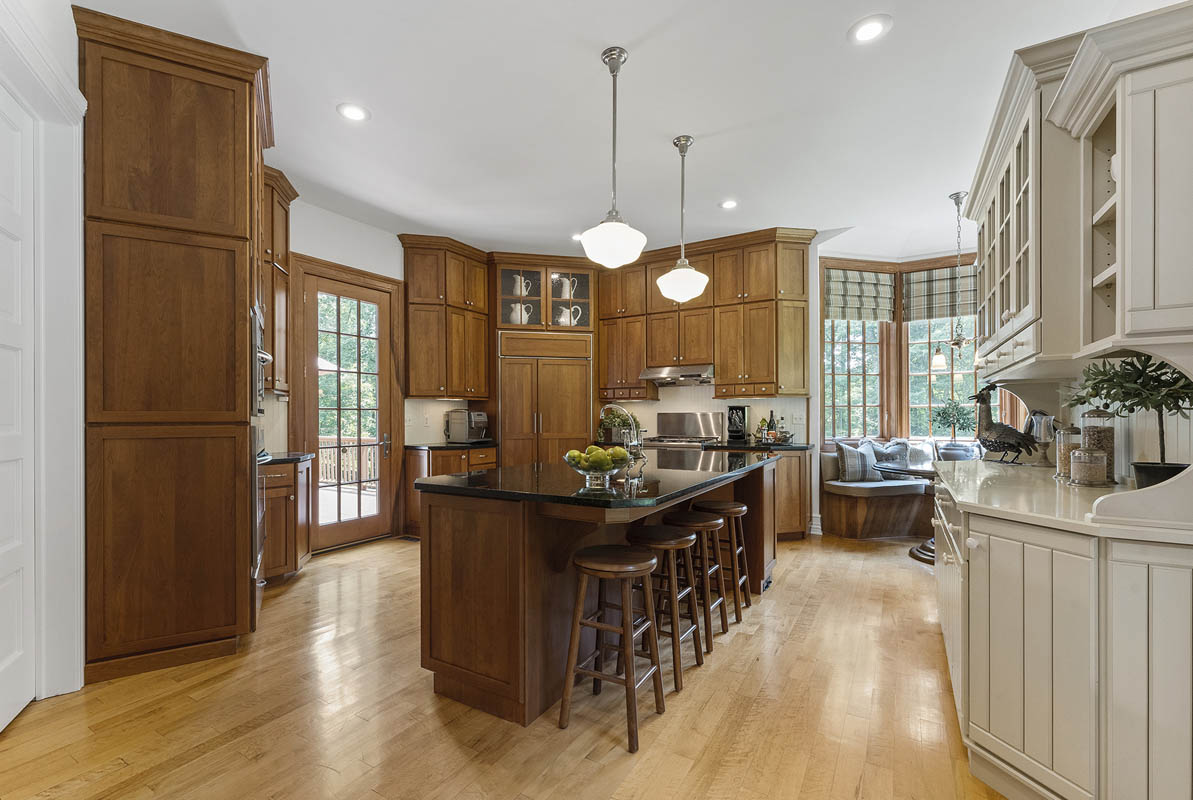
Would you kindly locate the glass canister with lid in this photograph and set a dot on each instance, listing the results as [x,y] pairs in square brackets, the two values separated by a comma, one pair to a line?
[1097,433]
[1087,467]
[1068,439]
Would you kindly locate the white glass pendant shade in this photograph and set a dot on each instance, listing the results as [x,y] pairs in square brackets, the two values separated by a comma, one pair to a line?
[682,283]
[939,362]
[613,243]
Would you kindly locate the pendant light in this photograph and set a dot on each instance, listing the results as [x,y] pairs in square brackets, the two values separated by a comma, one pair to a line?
[613,243]
[939,362]
[682,283]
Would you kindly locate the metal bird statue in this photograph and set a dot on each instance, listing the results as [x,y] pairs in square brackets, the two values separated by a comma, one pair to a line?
[998,437]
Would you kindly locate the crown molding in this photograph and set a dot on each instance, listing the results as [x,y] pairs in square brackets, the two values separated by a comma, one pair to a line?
[896,267]
[441,243]
[1109,52]
[280,183]
[97,27]
[802,236]
[28,45]
[1030,68]
[540,260]
[264,107]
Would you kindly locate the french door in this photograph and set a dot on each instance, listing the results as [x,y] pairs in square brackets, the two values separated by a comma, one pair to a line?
[349,378]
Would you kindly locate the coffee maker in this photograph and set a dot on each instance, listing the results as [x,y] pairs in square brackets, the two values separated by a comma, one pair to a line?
[737,424]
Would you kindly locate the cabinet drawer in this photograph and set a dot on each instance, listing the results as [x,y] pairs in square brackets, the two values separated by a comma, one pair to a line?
[725,390]
[277,475]
[638,393]
[1024,344]
[482,457]
[743,389]
[607,394]
[764,389]
[622,394]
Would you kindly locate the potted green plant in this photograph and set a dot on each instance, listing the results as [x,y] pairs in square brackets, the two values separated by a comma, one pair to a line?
[1139,383]
[954,416]
[615,423]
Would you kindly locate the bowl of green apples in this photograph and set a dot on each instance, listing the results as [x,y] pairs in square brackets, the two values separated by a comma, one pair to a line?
[598,465]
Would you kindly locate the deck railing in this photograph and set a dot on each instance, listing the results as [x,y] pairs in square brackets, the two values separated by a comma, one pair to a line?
[350,471]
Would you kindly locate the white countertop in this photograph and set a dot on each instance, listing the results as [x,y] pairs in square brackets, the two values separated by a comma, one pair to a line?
[1022,493]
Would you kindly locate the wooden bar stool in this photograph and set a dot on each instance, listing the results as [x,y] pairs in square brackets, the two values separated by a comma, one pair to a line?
[733,511]
[669,544]
[624,565]
[706,526]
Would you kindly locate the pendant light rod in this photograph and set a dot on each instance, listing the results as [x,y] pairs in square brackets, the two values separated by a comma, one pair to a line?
[682,143]
[614,57]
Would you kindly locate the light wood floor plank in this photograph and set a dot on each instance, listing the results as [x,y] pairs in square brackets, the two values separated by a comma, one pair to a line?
[834,686]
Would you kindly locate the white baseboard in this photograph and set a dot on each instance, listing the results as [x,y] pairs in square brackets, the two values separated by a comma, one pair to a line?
[814,527]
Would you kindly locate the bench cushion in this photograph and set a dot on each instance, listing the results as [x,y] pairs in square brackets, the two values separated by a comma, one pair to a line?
[875,488]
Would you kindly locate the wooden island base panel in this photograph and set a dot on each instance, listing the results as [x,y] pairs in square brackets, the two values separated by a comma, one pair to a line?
[497,581]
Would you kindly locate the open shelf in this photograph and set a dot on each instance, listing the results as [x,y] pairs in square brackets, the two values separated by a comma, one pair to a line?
[1107,277]
[1107,212]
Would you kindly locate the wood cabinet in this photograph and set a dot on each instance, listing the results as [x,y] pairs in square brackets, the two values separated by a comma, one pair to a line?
[555,297]
[545,408]
[422,462]
[467,354]
[621,358]
[765,271]
[173,202]
[793,493]
[447,327]
[168,536]
[761,349]
[274,276]
[680,337]
[466,282]
[288,507]
[728,354]
[623,292]
[167,325]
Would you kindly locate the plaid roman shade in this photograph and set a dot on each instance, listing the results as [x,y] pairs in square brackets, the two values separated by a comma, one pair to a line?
[853,294]
[937,293]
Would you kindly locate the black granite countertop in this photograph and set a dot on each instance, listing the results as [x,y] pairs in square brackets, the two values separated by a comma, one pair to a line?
[664,479]
[289,458]
[757,447]
[451,445]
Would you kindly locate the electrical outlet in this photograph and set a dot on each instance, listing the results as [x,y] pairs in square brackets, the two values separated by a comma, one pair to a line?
[409,421]
[426,420]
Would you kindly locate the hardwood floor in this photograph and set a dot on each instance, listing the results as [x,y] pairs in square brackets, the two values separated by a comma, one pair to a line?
[834,686]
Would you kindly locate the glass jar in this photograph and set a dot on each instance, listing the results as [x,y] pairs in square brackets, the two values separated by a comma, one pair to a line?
[1068,439]
[1088,468]
[1097,433]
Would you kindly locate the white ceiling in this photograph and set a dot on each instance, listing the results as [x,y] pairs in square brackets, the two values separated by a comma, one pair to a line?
[491,119]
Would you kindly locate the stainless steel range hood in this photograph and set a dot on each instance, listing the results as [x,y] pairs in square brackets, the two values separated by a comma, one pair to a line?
[686,375]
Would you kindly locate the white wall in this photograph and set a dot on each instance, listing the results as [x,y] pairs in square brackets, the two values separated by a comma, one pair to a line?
[424,419]
[317,232]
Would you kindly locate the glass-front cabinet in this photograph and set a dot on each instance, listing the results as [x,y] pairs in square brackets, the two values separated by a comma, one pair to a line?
[545,298]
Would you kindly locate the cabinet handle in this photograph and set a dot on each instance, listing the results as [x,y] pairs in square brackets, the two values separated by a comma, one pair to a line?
[972,543]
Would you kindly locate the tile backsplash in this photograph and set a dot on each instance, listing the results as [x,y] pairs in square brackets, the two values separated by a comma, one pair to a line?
[425,418]
[701,398]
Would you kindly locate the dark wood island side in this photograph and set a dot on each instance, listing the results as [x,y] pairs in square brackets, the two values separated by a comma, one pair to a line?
[497,580]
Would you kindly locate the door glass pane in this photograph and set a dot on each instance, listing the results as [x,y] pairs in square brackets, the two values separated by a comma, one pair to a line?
[348,341]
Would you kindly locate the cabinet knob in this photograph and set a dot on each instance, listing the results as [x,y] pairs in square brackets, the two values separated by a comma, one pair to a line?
[781,386]
[673,358]
[739,294]
[291,497]
[780,291]
[463,455]
[972,543]
[747,294]
[440,297]
[681,358]
[441,388]
[747,376]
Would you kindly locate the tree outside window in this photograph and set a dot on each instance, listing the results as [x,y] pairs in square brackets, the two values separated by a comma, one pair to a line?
[928,388]
[851,378]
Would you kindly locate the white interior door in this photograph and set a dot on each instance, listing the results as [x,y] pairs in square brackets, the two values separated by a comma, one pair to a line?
[16,407]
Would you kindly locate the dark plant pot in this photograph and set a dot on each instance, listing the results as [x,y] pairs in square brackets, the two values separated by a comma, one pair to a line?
[1149,473]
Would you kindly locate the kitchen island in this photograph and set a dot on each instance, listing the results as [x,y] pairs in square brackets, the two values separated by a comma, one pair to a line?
[497,580]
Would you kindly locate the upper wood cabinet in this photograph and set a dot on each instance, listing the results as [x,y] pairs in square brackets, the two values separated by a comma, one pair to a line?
[466,282]
[727,277]
[167,326]
[621,358]
[761,349]
[447,324]
[758,343]
[767,271]
[679,337]
[557,298]
[728,352]
[165,144]
[425,275]
[758,272]
[623,292]
[274,276]
[792,347]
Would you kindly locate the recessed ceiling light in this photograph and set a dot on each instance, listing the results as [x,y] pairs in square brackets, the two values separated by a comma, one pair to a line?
[575,237]
[868,29]
[353,112]
[728,204]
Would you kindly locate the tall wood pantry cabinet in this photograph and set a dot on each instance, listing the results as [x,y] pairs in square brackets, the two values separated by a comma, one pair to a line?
[447,320]
[172,172]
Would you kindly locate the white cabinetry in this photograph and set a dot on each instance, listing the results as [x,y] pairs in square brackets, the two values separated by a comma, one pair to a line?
[1033,651]
[1023,200]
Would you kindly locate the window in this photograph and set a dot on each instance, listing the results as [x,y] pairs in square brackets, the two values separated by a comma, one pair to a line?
[851,378]
[927,388]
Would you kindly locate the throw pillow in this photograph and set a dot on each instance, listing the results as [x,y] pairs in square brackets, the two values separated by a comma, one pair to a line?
[857,463]
[895,450]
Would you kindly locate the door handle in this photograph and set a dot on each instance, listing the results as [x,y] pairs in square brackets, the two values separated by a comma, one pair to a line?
[385,446]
